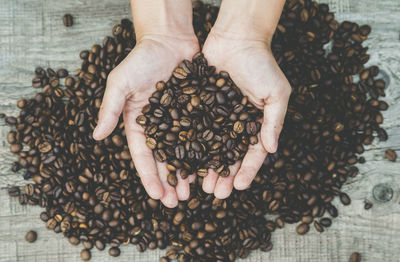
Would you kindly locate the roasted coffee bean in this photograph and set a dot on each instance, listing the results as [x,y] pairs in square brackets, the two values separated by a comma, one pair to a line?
[172,180]
[10,120]
[368,205]
[180,152]
[85,255]
[114,251]
[31,236]
[345,199]
[326,222]
[391,155]
[67,20]
[318,227]
[302,229]
[355,257]
[13,191]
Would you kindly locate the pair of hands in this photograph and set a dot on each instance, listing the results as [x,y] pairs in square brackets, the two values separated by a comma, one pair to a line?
[251,66]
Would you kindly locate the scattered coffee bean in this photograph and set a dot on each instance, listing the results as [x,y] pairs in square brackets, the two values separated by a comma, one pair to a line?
[85,255]
[368,205]
[31,236]
[391,155]
[67,20]
[355,257]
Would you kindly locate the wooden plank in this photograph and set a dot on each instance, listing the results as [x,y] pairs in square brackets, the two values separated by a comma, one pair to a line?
[32,34]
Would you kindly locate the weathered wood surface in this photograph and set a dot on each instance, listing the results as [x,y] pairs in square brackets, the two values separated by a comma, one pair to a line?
[32,34]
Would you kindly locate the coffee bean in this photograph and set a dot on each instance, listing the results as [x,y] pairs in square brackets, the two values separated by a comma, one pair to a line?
[367,205]
[302,229]
[355,257]
[67,20]
[31,236]
[85,255]
[345,199]
[391,155]
[208,135]
[151,143]
[13,191]
[15,148]
[238,127]
[318,227]
[11,121]
[114,252]
[172,180]
[326,222]
[141,120]
[180,152]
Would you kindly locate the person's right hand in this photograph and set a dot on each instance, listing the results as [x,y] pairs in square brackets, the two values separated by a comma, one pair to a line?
[129,86]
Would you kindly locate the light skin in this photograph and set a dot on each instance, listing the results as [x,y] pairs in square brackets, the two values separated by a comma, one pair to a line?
[239,43]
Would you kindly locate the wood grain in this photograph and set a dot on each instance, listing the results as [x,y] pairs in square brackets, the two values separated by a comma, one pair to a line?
[32,34]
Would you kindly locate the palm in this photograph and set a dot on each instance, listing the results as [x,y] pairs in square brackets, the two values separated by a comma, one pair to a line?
[254,70]
[128,88]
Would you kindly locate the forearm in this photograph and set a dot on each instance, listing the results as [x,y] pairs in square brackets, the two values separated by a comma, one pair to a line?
[162,17]
[250,19]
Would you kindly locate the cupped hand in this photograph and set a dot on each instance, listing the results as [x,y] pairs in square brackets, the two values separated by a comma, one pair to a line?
[253,69]
[129,86]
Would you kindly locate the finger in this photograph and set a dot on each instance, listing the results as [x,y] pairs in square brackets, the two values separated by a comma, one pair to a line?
[224,185]
[182,189]
[274,115]
[142,156]
[251,163]
[169,199]
[210,181]
[111,107]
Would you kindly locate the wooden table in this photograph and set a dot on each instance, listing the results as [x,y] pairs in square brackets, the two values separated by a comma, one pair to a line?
[32,34]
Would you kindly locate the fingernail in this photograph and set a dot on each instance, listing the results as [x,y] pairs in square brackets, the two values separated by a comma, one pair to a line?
[95,133]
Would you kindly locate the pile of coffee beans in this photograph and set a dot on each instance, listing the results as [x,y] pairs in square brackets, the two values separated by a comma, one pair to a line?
[198,120]
[90,190]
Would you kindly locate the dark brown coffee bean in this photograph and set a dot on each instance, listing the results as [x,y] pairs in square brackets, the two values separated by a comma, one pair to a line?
[85,255]
[368,205]
[180,152]
[31,236]
[172,180]
[114,251]
[391,155]
[13,191]
[326,222]
[345,199]
[67,20]
[355,257]
[302,229]
[160,155]
[318,227]
[208,135]
[11,121]
[15,148]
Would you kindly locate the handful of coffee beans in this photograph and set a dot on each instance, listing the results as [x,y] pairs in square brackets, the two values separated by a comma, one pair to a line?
[198,120]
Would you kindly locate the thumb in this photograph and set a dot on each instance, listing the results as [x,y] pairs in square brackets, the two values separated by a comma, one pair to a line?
[111,107]
[274,115]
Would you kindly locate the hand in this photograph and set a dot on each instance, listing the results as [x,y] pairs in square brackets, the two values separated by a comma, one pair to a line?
[129,86]
[254,70]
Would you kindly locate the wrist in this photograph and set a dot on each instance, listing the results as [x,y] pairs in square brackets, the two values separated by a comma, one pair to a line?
[164,18]
[249,20]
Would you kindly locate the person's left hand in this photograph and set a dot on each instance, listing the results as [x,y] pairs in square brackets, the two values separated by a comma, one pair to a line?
[254,70]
